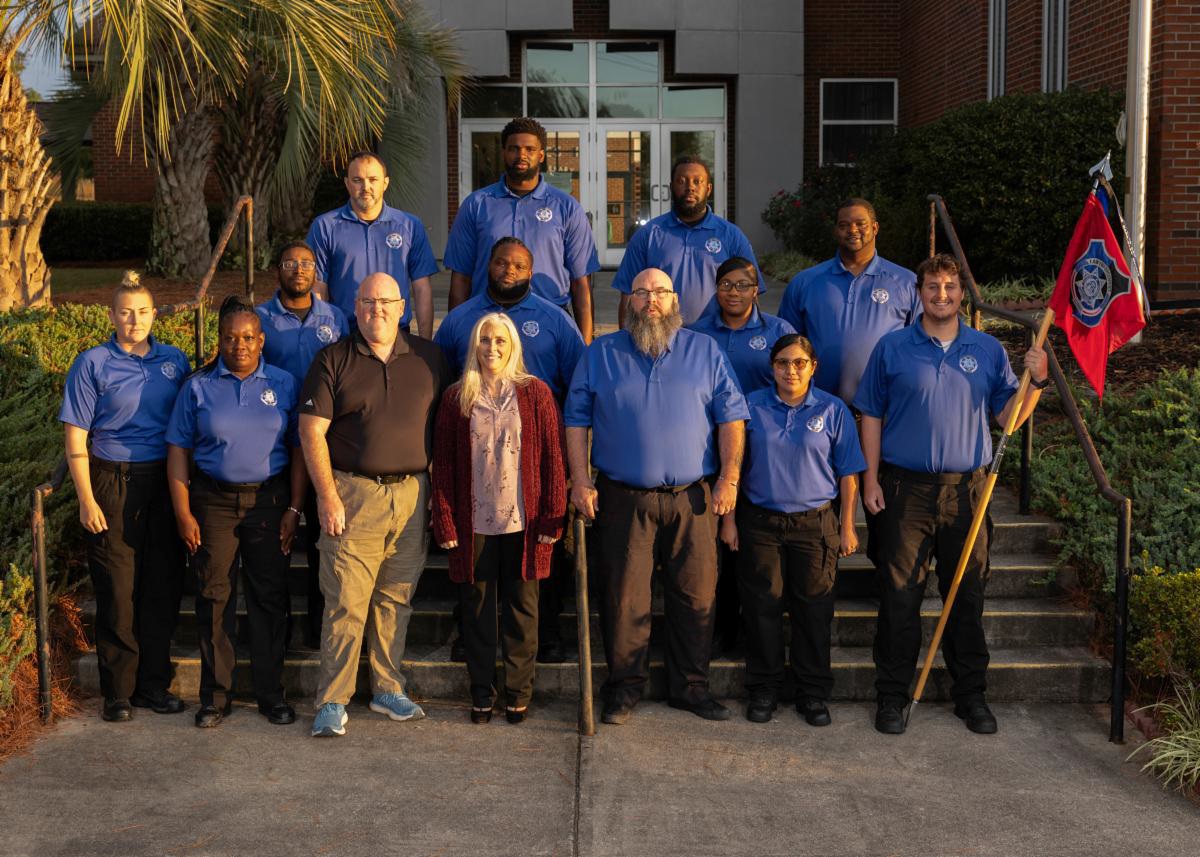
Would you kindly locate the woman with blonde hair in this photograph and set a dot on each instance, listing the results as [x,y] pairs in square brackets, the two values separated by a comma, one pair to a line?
[120,395]
[499,502]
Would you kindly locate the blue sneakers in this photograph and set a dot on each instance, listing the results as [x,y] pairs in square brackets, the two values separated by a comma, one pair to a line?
[396,706]
[330,721]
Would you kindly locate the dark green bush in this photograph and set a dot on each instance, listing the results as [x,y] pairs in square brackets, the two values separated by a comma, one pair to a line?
[104,231]
[1013,172]
[1164,622]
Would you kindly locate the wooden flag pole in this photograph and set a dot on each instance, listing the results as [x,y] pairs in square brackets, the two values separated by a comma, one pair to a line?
[980,513]
[587,721]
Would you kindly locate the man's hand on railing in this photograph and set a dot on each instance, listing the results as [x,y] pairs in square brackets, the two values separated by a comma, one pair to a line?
[92,517]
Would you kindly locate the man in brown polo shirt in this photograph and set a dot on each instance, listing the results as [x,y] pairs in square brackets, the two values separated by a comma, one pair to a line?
[366,426]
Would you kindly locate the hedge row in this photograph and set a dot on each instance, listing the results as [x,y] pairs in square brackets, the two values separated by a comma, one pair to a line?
[36,349]
[1164,621]
[1013,172]
[104,231]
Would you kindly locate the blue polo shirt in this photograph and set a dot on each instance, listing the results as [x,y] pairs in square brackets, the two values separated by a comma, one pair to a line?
[652,419]
[549,339]
[796,455]
[348,249]
[551,223]
[844,316]
[690,254]
[749,347]
[124,401]
[936,405]
[238,430]
[291,344]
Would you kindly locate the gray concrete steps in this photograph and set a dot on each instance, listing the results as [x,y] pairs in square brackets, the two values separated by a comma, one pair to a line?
[1046,674]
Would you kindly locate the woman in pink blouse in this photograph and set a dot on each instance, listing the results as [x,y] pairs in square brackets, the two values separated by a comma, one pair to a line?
[499,502]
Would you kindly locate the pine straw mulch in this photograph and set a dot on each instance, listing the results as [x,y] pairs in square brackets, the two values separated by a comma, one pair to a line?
[20,722]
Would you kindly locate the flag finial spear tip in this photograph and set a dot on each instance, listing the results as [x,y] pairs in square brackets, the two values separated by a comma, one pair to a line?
[1104,167]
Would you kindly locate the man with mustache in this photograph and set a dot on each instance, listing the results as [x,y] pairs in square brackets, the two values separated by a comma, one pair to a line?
[522,204]
[367,236]
[667,417]
[689,243]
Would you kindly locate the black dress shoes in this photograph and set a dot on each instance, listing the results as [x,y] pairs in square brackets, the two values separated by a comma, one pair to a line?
[814,711]
[516,715]
[889,718]
[279,714]
[760,709]
[978,716]
[160,702]
[116,710]
[616,713]
[479,714]
[709,709]
[209,715]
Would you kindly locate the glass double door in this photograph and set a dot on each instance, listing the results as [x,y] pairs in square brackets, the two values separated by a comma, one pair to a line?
[620,174]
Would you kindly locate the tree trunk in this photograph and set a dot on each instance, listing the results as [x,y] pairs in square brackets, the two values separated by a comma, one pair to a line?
[28,188]
[292,209]
[179,239]
[252,129]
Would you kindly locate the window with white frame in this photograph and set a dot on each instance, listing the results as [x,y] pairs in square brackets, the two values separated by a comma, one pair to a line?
[997,47]
[1054,45]
[854,113]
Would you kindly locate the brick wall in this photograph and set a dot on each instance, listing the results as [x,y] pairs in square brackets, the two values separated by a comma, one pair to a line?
[1024,56]
[943,57]
[846,38]
[1097,43]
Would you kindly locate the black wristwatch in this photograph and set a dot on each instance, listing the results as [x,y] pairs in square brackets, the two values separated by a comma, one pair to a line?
[1040,385]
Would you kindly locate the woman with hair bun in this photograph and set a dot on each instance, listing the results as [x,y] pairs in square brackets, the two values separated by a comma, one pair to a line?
[238,481]
[119,395]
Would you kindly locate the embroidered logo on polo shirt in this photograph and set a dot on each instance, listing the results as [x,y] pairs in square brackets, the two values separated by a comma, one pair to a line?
[170,371]
[713,245]
[531,328]
[268,397]
[325,333]
[395,240]
[880,296]
[543,214]
[968,364]
[758,343]
[816,423]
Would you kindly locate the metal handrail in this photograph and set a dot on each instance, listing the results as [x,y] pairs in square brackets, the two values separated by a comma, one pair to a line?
[37,517]
[1122,504]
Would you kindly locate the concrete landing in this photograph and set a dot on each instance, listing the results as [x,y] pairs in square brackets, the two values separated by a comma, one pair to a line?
[667,783]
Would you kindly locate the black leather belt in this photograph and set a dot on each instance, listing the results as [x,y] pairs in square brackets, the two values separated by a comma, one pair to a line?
[130,467]
[755,509]
[381,478]
[931,478]
[657,489]
[236,487]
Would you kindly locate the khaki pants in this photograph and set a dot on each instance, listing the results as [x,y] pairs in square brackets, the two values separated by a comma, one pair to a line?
[371,572]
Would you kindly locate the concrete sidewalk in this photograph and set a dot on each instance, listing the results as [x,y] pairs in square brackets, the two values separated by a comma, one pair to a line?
[665,784]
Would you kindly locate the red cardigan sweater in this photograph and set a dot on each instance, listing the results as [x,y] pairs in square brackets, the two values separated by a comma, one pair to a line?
[543,480]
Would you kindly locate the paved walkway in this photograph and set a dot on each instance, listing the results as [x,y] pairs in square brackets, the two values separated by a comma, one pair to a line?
[665,784]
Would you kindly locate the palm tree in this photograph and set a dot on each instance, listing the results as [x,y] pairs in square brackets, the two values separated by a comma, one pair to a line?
[176,67]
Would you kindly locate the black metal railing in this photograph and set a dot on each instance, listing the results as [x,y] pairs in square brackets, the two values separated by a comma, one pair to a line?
[1122,504]
[37,517]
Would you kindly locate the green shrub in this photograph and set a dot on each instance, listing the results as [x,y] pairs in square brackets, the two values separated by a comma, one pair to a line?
[1013,172]
[1149,442]
[1175,756]
[784,264]
[1164,623]
[104,231]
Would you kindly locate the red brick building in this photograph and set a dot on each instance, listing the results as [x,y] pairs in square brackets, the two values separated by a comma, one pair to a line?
[771,88]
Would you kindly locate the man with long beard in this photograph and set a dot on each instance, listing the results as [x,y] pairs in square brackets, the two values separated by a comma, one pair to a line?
[653,395]
[551,223]
[689,243]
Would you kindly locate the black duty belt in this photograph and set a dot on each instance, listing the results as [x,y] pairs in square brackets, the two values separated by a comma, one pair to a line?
[381,478]
[132,468]
[919,476]
[235,487]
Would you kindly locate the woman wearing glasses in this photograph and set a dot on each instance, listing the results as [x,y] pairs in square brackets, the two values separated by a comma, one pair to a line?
[802,454]
[499,502]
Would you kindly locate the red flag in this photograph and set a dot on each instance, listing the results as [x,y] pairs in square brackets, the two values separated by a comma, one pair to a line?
[1095,301]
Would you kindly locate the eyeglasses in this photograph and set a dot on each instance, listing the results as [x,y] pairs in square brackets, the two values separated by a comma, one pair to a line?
[799,364]
[379,303]
[741,286]
[646,294]
[302,264]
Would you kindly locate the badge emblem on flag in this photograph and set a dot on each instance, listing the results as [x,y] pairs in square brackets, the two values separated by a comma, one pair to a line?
[1096,282]
[881,296]
[268,397]
[531,328]
[816,423]
[713,245]
[543,214]
[395,240]
[968,364]
[758,343]
[170,371]
[325,333]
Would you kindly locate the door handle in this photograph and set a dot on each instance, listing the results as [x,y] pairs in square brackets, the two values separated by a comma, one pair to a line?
[654,189]
[591,220]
